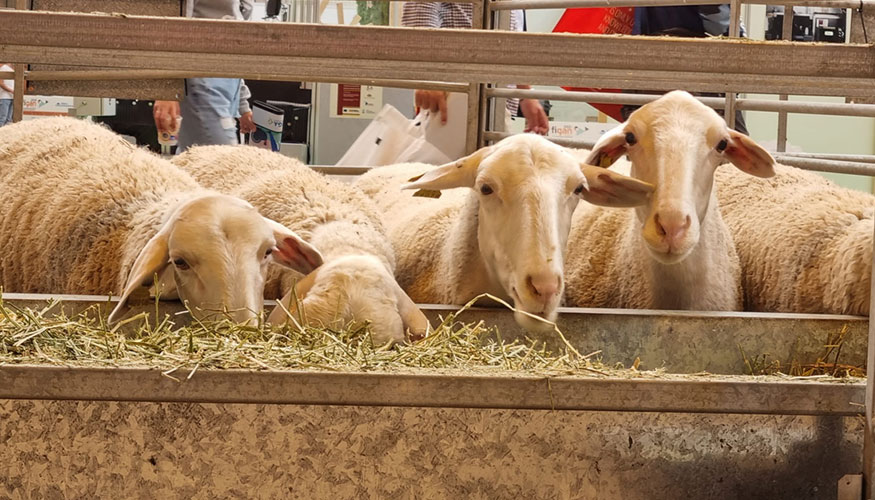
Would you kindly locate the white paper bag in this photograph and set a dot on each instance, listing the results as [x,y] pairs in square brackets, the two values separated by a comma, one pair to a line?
[392,138]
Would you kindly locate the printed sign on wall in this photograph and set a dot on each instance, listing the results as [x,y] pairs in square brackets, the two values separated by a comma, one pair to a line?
[355,101]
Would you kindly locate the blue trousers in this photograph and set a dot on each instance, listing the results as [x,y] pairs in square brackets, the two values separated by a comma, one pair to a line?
[208,112]
[5,111]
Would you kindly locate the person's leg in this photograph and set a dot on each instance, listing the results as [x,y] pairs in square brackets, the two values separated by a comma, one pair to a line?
[208,112]
[5,111]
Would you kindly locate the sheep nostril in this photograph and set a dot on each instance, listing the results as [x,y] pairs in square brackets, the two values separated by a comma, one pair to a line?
[659,228]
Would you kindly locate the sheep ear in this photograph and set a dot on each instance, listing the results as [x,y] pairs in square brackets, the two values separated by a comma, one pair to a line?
[278,316]
[292,251]
[749,156]
[609,147]
[610,189]
[152,260]
[460,173]
[416,324]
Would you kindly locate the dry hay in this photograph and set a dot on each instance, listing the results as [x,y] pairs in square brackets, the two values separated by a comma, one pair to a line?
[45,337]
[40,336]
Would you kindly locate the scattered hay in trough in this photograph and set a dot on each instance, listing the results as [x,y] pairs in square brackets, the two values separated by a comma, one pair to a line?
[40,336]
[46,336]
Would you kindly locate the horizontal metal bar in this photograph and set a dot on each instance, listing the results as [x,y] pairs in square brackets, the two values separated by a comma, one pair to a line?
[134,74]
[305,52]
[841,109]
[83,301]
[567,4]
[738,396]
[832,166]
[343,71]
[827,156]
[812,108]
[571,143]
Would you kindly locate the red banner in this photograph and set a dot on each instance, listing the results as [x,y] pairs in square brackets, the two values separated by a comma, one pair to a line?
[602,20]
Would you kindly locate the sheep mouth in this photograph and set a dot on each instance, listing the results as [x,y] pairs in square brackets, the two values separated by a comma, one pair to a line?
[669,255]
[518,305]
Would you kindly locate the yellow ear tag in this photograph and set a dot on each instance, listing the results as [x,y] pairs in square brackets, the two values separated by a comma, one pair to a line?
[605,161]
[414,179]
[427,193]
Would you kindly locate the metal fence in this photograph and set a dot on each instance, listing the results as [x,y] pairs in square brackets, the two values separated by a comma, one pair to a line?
[127,46]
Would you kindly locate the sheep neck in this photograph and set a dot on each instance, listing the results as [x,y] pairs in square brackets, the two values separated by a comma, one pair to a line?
[704,280]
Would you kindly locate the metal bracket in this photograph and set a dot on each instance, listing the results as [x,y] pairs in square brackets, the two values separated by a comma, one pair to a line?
[850,487]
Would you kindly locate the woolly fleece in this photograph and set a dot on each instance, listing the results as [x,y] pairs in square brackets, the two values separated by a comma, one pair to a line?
[333,216]
[805,243]
[78,204]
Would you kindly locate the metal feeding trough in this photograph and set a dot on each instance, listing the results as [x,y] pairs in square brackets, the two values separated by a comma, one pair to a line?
[427,434]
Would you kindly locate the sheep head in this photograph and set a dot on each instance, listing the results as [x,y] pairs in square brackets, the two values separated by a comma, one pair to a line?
[676,143]
[212,253]
[527,189]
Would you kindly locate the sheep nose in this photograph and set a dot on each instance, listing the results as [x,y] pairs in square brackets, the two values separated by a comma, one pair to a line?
[672,227]
[544,286]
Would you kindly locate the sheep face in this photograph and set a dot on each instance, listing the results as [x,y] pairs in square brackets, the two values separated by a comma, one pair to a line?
[213,254]
[354,288]
[527,189]
[676,143]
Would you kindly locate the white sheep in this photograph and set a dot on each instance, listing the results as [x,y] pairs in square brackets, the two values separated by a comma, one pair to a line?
[805,244]
[83,211]
[675,252]
[356,282]
[504,235]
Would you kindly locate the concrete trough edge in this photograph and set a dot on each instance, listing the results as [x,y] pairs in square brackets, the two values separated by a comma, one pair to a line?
[751,396]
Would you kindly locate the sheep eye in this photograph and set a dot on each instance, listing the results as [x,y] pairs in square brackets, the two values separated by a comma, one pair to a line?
[721,146]
[268,252]
[485,189]
[180,264]
[578,190]
[630,138]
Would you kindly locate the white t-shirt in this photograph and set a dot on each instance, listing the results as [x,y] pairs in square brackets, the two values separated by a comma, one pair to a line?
[8,83]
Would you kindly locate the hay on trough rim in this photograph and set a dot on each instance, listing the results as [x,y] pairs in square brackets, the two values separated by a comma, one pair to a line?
[36,336]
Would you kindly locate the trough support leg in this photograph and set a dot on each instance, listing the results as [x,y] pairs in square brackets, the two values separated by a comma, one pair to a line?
[850,487]
[869,436]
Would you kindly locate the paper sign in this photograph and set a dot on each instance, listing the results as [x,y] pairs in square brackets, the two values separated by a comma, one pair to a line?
[355,101]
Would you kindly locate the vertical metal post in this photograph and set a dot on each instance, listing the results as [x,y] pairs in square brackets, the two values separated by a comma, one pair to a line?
[484,116]
[18,91]
[786,34]
[734,32]
[472,135]
[869,436]
[498,107]
[487,106]
[476,122]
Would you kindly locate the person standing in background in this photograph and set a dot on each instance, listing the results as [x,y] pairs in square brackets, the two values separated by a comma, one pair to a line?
[210,105]
[690,21]
[7,92]
[459,15]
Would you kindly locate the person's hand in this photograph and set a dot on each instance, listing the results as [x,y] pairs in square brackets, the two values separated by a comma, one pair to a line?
[432,100]
[165,114]
[247,126]
[536,118]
